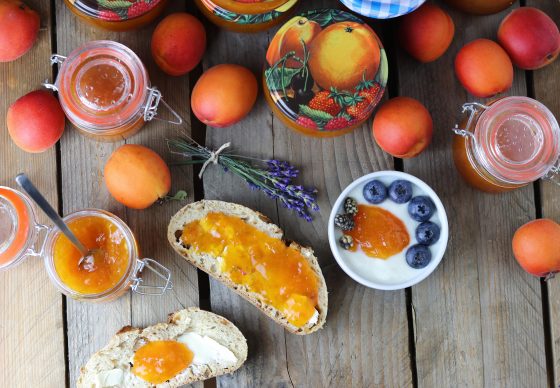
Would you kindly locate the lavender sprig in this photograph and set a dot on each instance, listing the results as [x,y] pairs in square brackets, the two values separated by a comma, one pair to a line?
[272,177]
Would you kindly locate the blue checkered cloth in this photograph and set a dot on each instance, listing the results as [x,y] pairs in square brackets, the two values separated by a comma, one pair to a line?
[382,9]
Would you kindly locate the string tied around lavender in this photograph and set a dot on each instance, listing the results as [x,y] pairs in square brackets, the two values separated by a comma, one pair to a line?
[213,158]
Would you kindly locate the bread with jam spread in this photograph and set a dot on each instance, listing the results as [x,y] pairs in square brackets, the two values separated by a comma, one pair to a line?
[212,263]
[113,365]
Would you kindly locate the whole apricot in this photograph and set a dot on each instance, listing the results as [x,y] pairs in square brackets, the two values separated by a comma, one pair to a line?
[484,68]
[343,54]
[530,37]
[535,247]
[403,127]
[136,176]
[19,26]
[224,95]
[35,121]
[178,43]
[426,33]
[480,7]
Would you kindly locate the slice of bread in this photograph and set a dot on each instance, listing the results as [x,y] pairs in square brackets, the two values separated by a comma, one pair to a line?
[209,264]
[111,366]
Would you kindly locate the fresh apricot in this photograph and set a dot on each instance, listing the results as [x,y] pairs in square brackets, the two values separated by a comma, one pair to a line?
[480,7]
[178,43]
[224,95]
[19,26]
[136,176]
[403,127]
[35,121]
[535,247]
[530,37]
[426,33]
[484,68]
[344,54]
[292,37]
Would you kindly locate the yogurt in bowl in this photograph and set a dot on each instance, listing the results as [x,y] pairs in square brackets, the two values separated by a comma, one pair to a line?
[364,261]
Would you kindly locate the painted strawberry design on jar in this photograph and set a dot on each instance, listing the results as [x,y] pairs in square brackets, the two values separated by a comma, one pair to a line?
[326,71]
[117,15]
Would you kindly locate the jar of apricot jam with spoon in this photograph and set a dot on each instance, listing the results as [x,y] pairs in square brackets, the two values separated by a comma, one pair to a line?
[507,144]
[105,91]
[116,268]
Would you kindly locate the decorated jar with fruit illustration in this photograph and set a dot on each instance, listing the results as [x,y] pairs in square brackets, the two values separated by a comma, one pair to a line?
[117,15]
[246,15]
[506,144]
[326,71]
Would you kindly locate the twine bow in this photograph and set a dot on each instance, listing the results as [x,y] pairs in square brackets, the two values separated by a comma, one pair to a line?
[214,156]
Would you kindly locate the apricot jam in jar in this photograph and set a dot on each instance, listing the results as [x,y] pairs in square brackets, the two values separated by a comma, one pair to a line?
[265,265]
[508,144]
[246,16]
[325,73]
[117,15]
[104,90]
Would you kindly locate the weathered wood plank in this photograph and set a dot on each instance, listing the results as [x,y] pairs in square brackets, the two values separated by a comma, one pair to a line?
[31,322]
[478,317]
[546,83]
[91,325]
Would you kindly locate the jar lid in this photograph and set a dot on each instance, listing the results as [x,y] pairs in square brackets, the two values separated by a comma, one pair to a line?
[382,9]
[249,7]
[517,139]
[326,71]
[115,11]
[18,225]
[102,85]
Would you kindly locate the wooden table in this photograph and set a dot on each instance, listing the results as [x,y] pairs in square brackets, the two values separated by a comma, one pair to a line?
[479,320]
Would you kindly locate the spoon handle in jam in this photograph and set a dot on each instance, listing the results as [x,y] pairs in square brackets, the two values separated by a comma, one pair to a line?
[24,182]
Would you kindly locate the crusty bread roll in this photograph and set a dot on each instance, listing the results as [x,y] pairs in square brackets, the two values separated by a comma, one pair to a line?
[207,263]
[111,366]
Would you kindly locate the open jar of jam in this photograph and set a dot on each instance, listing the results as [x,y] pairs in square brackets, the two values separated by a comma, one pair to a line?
[105,91]
[325,73]
[116,269]
[246,16]
[507,144]
[117,15]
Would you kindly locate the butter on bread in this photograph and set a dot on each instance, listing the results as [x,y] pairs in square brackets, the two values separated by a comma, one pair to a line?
[111,366]
[209,264]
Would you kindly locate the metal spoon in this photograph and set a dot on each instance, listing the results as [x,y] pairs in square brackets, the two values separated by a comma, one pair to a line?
[88,256]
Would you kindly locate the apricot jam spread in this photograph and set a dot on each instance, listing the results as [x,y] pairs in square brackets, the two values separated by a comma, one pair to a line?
[378,232]
[249,257]
[102,86]
[158,361]
[109,266]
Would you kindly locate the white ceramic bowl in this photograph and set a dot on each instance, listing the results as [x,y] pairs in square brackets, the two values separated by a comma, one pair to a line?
[366,270]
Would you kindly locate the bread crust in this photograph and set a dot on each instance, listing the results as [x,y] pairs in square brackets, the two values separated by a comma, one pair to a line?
[120,349]
[206,263]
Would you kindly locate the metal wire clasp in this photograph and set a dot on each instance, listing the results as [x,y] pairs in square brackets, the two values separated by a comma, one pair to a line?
[56,59]
[149,289]
[473,108]
[152,103]
[553,175]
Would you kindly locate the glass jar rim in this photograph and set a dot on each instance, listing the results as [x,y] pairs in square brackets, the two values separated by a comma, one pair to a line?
[96,13]
[127,277]
[488,130]
[87,118]
[242,8]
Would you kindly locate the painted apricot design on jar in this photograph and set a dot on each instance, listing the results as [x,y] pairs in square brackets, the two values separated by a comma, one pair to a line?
[326,71]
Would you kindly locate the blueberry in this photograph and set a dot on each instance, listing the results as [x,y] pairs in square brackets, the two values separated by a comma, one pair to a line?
[427,233]
[418,256]
[421,208]
[400,191]
[375,192]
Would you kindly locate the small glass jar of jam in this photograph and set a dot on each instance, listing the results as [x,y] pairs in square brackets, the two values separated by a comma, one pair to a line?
[117,15]
[116,267]
[246,16]
[104,90]
[507,144]
[325,72]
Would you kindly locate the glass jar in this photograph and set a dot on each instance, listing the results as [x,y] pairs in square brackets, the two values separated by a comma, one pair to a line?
[117,15]
[104,90]
[23,237]
[325,73]
[508,144]
[246,16]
